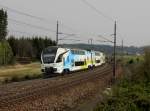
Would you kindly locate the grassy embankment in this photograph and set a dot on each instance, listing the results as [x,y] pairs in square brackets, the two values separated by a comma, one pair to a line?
[132,93]
[19,72]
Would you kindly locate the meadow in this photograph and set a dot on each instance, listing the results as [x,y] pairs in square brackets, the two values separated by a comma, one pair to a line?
[18,72]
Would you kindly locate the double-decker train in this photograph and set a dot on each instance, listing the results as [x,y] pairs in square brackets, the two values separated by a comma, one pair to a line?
[64,60]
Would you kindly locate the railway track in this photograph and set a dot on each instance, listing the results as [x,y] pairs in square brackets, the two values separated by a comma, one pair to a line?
[43,90]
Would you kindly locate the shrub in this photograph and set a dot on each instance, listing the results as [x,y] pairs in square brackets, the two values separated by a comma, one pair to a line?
[131,61]
[27,77]
[15,79]
[131,94]
[6,55]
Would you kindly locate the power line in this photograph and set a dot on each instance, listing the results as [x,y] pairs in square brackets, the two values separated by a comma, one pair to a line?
[70,39]
[68,36]
[97,11]
[25,14]
[102,41]
[45,20]
[32,16]
[22,32]
[105,39]
[31,25]
[68,27]
[35,17]
[38,27]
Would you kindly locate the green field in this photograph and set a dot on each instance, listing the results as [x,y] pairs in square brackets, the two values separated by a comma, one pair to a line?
[132,58]
[19,71]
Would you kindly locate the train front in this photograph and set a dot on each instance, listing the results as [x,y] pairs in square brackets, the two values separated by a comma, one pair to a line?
[49,57]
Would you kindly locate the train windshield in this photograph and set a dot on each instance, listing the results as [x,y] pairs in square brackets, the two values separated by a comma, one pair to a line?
[49,54]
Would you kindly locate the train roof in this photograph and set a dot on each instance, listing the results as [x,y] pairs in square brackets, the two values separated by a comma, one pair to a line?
[69,48]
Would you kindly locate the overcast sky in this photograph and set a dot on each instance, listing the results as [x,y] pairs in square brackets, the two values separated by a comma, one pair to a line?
[133,19]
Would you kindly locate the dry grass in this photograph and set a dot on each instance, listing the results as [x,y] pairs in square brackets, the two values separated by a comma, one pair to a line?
[19,71]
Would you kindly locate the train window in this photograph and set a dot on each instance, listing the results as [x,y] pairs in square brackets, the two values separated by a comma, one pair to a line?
[48,58]
[50,50]
[59,59]
[72,62]
[68,58]
[72,51]
[78,52]
[48,55]
[98,61]
[97,54]
[64,61]
[80,63]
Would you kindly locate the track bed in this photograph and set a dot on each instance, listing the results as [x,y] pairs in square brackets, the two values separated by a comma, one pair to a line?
[20,94]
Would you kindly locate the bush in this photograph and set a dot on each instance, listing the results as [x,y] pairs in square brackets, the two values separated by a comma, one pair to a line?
[131,94]
[131,61]
[6,54]
[15,79]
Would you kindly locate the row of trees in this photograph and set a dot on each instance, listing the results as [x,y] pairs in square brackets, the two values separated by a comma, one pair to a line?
[29,46]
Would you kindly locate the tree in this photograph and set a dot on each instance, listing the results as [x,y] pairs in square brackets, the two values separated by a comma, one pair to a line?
[14,44]
[6,54]
[3,24]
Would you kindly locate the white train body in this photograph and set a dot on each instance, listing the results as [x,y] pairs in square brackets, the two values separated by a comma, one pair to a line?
[59,60]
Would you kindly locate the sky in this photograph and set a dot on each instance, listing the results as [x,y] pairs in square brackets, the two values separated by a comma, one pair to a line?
[75,17]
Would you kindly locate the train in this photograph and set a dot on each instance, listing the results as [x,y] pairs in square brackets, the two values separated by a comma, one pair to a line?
[59,60]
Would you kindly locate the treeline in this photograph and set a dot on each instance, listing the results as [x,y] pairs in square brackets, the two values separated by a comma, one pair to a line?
[29,46]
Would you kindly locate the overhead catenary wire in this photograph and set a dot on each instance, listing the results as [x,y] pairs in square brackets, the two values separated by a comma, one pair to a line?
[101,14]
[33,16]
[25,14]
[37,27]
[27,33]
[70,39]
[38,18]
[21,32]
[68,27]
[97,11]
[31,25]
[102,41]
[105,39]
[47,21]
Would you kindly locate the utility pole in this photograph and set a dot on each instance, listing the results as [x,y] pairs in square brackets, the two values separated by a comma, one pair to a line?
[57,33]
[90,41]
[122,48]
[114,57]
